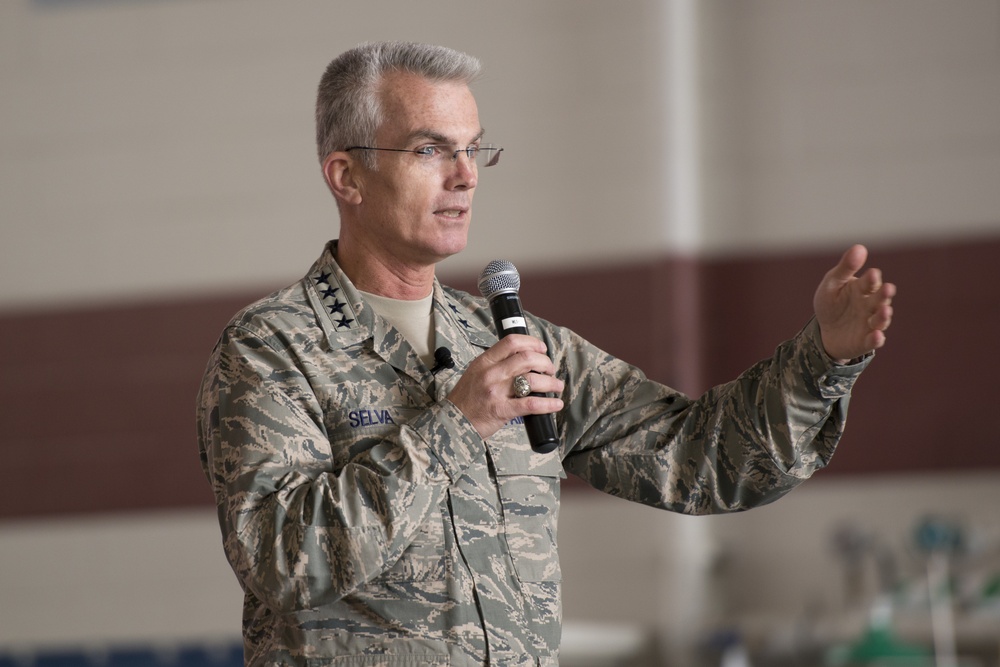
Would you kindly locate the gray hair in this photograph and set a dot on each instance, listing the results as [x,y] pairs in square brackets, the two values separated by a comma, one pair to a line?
[348,109]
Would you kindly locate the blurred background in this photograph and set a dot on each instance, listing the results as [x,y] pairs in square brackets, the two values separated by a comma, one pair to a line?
[677,177]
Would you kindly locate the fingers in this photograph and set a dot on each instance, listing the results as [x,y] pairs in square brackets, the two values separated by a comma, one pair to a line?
[871,281]
[511,345]
[523,355]
[853,306]
[881,318]
[875,339]
[879,295]
[485,392]
[541,384]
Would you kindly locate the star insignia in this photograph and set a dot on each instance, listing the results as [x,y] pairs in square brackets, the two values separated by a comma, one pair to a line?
[323,278]
[454,308]
[344,322]
[337,307]
[330,291]
[464,323]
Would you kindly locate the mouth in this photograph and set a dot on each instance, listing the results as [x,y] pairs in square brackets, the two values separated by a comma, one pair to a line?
[452,213]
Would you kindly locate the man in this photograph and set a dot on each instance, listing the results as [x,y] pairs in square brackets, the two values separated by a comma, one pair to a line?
[384,511]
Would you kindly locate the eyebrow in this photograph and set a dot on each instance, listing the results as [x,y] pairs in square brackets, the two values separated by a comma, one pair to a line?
[439,138]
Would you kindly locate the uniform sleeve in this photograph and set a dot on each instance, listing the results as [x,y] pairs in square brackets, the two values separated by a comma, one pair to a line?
[742,444]
[298,533]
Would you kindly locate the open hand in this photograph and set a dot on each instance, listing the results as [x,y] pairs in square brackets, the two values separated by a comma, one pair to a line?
[853,311]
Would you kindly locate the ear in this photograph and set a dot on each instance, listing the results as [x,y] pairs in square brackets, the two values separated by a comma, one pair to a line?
[340,172]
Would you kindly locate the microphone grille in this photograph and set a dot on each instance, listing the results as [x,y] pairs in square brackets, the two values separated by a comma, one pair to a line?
[499,277]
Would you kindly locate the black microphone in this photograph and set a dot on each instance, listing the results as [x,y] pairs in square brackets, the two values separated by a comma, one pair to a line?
[499,283]
[442,360]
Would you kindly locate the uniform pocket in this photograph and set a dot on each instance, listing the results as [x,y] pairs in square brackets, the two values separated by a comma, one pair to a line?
[529,495]
[373,434]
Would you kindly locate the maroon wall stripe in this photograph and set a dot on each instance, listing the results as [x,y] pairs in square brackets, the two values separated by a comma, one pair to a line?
[98,403]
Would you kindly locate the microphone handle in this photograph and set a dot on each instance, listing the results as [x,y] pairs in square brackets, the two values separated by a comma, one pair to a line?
[509,319]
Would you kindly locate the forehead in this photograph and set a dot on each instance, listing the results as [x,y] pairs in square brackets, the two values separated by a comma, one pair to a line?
[414,107]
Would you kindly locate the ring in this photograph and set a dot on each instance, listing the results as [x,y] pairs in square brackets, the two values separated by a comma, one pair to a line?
[521,386]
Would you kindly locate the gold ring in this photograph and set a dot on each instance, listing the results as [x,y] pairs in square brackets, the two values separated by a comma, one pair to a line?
[521,386]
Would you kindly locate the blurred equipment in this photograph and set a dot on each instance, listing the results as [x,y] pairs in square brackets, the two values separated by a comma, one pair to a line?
[879,645]
[939,539]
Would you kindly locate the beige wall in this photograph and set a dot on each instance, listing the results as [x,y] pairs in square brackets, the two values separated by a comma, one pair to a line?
[826,122]
[166,147]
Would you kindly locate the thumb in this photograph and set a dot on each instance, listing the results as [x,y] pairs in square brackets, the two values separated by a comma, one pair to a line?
[850,263]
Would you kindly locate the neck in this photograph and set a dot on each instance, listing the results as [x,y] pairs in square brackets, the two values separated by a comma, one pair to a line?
[371,272]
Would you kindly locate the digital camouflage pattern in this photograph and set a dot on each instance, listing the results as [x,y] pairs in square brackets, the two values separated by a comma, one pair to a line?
[365,517]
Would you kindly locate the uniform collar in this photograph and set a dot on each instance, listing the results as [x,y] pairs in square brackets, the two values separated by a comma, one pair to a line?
[462,323]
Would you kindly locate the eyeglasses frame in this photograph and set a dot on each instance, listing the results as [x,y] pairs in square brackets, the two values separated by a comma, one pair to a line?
[416,151]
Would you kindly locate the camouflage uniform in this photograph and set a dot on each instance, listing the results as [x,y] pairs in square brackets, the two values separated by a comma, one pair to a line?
[365,517]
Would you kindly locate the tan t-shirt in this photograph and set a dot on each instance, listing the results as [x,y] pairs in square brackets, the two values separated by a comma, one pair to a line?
[413,319]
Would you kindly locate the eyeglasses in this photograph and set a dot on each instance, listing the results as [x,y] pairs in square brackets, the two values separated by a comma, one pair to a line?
[435,154]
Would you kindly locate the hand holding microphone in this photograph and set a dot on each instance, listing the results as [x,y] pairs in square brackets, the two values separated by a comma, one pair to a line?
[486,392]
[499,283]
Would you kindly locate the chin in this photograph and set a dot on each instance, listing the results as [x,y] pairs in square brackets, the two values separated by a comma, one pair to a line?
[446,253]
[453,245]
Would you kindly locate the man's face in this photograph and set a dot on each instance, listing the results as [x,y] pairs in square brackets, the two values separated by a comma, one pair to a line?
[419,213]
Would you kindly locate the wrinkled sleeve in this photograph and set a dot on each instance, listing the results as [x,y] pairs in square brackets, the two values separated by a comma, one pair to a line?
[742,444]
[297,532]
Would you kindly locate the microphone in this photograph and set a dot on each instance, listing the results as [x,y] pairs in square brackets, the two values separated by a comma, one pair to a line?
[442,360]
[499,283]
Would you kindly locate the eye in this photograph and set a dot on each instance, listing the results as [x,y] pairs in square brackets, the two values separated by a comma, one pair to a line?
[428,152]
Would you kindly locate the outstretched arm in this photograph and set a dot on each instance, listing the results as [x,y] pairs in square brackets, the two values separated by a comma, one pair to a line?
[853,311]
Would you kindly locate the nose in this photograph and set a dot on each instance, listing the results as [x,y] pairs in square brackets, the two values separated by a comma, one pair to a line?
[463,172]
